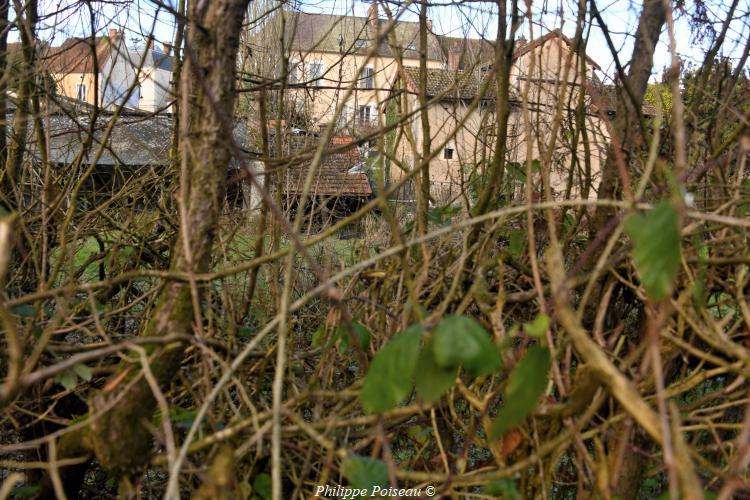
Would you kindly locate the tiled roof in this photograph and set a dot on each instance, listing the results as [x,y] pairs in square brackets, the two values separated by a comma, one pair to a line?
[322,32]
[332,177]
[473,53]
[134,140]
[75,55]
[451,84]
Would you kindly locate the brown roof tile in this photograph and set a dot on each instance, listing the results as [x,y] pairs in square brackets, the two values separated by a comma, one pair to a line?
[75,55]
[473,52]
[332,177]
[451,84]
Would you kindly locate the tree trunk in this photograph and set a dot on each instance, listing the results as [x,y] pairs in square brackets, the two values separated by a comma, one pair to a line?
[626,129]
[629,138]
[120,440]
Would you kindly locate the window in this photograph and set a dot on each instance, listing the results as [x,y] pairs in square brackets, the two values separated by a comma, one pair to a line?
[359,43]
[293,72]
[368,76]
[81,92]
[448,153]
[315,73]
[364,115]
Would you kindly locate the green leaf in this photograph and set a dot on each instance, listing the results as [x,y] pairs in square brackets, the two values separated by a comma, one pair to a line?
[517,242]
[37,331]
[244,331]
[183,418]
[361,334]
[504,488]
[431,379]
[390,375]
[462,340]
[526,385]
[318,337]
[24,310]
[83,371]
[707,495]
[538,327]
[262,486]
[365,472]
[344,336]
[438,215]
[24,491]
[68,379]
[656,248]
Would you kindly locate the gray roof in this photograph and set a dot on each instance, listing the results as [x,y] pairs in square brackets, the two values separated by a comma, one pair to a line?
[322,32]
[134,141]
[155,58]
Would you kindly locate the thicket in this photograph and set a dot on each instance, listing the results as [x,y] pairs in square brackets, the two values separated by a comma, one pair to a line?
[513,344]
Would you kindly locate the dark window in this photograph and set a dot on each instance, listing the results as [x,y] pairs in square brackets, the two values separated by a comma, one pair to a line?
[81,92]
[448,153]
[369,78]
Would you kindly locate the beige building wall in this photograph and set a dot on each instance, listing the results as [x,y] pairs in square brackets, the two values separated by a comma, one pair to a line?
[67,85]
[343,83]
[539,75]
[542,83]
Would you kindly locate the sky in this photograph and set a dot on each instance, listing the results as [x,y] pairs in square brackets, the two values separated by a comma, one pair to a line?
[461,18]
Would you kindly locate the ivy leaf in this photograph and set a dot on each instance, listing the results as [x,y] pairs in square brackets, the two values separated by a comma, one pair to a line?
[344,336]
[262,486]
[26,490]
[538,327]
[517,242]
[462,340]
[390,375]
[83,371]
[244,331]
[24,310]
[361,334]
[525,386]
[365,472]
[656,248]
[504,488]
[318,337]
[68,379]
[433,380]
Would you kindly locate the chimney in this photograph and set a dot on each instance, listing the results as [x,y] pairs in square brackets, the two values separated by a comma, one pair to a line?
[454,57]
[167,48]
[429,25]
[372,15]
[113,35]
